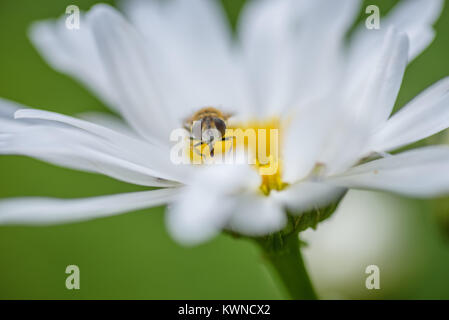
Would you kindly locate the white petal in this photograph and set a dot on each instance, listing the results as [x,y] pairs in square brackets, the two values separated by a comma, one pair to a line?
[74,52]
[125,59]
[206,205]
[366,105]
[268,50]
[304,139]
[424,116]
[387,79]
[93,149]
[320,51]
[109,121]
[420,173]
[257,215]
[155,157]
[293,48]
[308,195]
[7,110]
[374,95]
[77,150]
[8,123]
[197,216]
[414,17]
[346,139]
[190,46]
[34,210]
[185,17]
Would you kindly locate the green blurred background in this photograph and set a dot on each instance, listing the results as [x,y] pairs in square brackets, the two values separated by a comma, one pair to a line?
[132,257]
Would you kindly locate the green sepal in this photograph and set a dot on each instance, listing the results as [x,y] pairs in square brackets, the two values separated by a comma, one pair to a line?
[311,219]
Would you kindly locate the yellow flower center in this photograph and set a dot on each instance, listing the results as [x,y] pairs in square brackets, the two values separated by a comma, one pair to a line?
[260,140]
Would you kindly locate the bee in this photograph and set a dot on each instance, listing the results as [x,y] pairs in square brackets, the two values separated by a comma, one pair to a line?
[207,126]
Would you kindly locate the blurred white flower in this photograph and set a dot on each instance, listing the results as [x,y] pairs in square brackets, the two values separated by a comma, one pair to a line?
[368,229]
[289,67]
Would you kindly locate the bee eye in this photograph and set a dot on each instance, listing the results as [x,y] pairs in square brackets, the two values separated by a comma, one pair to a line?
[220,125]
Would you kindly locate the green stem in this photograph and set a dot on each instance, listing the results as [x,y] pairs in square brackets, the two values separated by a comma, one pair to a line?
[283,252]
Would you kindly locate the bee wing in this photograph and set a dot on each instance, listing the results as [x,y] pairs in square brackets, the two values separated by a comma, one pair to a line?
[227,115]
[196,130]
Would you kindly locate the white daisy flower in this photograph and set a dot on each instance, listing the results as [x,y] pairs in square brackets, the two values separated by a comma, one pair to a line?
[288,69]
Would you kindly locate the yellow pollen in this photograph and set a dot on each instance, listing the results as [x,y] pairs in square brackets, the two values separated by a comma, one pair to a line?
[260,139]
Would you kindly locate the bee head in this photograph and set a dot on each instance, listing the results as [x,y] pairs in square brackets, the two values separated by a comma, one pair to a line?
[220,125]
[212,129]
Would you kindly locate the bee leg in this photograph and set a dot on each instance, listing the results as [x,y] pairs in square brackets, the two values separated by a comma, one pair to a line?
[199,153]
[211,148]
[200,143]
[229,151]
[197,145]
[226,139]
[210,144]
